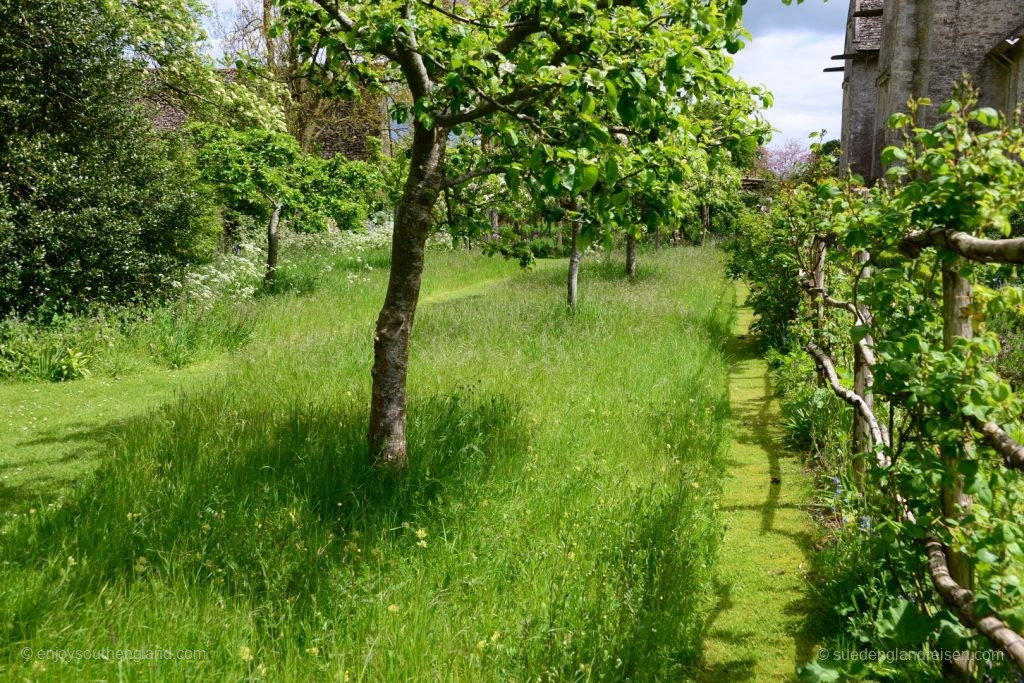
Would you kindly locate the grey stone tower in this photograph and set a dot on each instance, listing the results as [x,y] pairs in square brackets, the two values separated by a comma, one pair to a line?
[924,49]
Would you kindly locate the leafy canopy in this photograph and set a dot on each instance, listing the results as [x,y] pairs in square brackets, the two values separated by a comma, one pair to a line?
[597,97]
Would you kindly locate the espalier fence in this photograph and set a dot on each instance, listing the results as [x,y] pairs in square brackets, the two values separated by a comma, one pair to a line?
[951,573]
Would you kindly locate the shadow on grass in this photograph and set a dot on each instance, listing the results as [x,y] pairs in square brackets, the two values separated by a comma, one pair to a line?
[258,500]
[83,447]
[659,548]
[754,423]
[735,669]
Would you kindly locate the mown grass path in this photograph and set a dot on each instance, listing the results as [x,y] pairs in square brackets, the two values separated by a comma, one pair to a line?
[761,628]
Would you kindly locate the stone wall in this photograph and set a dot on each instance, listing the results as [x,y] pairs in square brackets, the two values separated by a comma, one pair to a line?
[863,37]
[926,48]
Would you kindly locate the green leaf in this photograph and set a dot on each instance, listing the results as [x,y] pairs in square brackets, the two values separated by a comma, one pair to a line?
[551,179]
[891,155]
[585,178]
[987,117]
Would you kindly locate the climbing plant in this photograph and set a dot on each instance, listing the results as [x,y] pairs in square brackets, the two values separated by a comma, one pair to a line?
[896,297]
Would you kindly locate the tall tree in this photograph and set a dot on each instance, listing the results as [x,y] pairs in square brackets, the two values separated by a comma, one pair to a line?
[494,69]
[292,72]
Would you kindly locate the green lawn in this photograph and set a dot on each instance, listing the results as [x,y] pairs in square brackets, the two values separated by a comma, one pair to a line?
[558,522]
[765,623]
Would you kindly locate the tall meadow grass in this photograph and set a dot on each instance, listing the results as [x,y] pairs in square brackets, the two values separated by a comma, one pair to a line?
[558,521]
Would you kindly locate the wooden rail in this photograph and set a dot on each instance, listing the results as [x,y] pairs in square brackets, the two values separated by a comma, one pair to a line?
[951,574]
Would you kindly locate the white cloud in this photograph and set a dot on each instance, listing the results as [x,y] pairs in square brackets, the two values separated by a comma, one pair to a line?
[789,64]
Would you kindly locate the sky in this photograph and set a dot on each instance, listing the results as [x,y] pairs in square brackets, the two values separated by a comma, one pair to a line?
[790,47]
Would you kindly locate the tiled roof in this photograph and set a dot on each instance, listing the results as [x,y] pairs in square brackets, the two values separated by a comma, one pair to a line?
[868,30]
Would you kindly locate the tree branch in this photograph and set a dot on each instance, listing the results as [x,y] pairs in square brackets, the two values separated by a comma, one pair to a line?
[835,303]
[489,170]
[490,106]
[968,246]
[828,369]
[1012,452]
[961,601]
[335,13]
[459,18]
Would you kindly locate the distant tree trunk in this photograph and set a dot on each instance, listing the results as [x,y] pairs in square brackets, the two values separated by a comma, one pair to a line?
[574,265]
[492,213]
[630,255]
[705,221]
[272,245]
[394,325]
[486,146]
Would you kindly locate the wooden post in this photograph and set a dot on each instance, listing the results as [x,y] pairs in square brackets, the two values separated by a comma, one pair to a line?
[956,298]
[819,249]
[863,381]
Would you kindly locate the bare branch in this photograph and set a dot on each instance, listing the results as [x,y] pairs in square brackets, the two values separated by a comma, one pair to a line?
[848,306]
[828,369]
[968,246]
[961,601]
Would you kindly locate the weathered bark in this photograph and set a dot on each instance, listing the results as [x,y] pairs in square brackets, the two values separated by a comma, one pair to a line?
[272,245]
[630,255]
[572,295]
[863,383]
[956,298]
[827,369]
[961,601]
[705,222]
[968,246]
[394,325]
[1012,452]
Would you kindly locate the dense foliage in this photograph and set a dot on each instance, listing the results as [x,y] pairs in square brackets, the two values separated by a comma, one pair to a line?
[254,170]
[94,205]
[927,474]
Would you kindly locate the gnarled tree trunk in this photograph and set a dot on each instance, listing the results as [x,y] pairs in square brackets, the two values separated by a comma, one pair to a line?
[630,255]
[394,325]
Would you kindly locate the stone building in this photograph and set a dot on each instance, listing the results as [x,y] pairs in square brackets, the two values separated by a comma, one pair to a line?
[899,49]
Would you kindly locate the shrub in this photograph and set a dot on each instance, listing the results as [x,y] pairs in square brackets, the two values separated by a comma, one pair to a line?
[95,206]
[1009,325]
